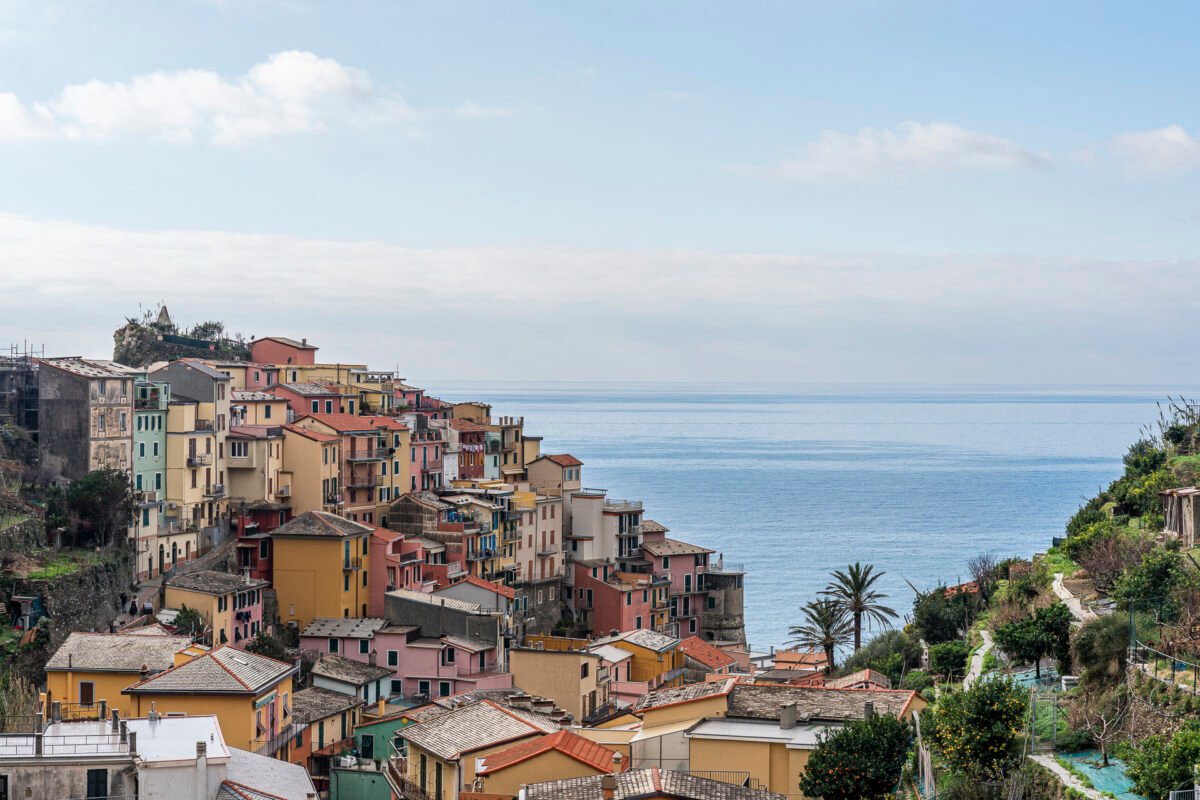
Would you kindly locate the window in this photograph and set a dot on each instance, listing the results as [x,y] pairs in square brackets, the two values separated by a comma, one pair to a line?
[364,645]
[328,406]
[333,645]
[397,688]
[629,598]
[262,549]
[100,423]
[157,477]
[141,449]
[316,406]
[691,626]
[666,563]
[345,583]
[97,783]
[364,581]
[583,669]
[267,411]
[137,481]
[443,691]
[712,602]
[645,595]
[124,421]
[448,655]
[239,449]
[423,688]
[539,597]
[87,693]
[393,659]
[637,622]
[154,449]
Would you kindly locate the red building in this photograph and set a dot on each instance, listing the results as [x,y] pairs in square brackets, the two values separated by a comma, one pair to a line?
[309,398]
[282,350]
[607,600]
[470,448]
[396,563]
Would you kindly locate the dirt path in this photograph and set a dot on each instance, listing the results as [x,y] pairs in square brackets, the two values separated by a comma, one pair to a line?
[975,668]
[1066,778]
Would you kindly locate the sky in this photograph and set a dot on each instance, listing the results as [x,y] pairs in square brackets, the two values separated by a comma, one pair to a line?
[918,192]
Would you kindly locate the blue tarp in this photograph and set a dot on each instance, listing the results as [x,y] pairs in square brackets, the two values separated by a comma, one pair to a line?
[1111,779]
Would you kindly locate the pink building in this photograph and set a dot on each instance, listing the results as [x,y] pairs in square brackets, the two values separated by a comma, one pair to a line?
[607,600]
[282,350]
[231,604]
[396,563]
[433,667]
[308,398]
[425,459]
[684,565]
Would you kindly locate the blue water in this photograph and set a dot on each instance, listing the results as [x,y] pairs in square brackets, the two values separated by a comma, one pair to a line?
[796,481]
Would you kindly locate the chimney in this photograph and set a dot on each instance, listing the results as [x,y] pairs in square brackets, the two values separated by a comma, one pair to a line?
[868,710]
[608,786]
[116,719]
[304,341]
[787,716]
[133,743]
[617,759]
[201,770]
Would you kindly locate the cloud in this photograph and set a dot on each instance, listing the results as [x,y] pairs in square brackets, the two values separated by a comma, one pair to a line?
[291,92]
[472,110]
[1165,151]
[911,147]
[616,315]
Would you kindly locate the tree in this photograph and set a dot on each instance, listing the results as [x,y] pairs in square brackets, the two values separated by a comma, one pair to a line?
[1163,763]
[102,501]
[827,626]
[1102,713]
[1152,582]
[264,644]
[976,731]
[853,589]
[949,658]
[861,761]
[983,569]
[188,621]
[939,618]
[1055,624]
[1024,641]
[1100,650]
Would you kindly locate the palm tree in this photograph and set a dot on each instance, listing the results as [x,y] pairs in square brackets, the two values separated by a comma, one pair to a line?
[852,591]
[826,626]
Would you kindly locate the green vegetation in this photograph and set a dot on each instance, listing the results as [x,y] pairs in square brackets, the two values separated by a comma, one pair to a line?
[861,761]
[66,562]
[826,627]
[188,621]
[1164,762]
[976,732]
[1056,560]
[1045,633]
[853,589]
[949,659]
[894,653]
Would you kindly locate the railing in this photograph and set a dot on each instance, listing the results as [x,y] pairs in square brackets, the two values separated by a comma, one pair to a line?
[147,497]
[199,459]
[215,490]
[371,454]
[363,481]
[728,568]
[632,530]
[622,505]
[736,777]
[411,791]
[481,555]
[275,743]
[283,491]
[455,571]
[352,563]
[548,550]
[204,425]
[40,744]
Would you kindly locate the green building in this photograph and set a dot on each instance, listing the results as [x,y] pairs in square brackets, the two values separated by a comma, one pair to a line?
[149,470]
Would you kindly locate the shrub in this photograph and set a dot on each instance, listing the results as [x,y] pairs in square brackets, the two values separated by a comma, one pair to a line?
[916,681]
[1162,762]
[976,731]
[861,761]
[949,658]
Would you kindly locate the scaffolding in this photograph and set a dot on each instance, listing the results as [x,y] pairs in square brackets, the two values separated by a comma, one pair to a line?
[19,386]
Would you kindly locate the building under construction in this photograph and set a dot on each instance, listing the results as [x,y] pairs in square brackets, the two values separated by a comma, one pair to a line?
[19,387]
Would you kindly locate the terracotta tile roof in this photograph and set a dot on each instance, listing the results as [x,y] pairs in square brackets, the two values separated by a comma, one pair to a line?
[562,459]
[117,652]
[503,591]
[650,526]
[466,426]
[213,582]
[343,423]
[869,676]
[799,659]
[699,650]
[583,750]
[387,423]
[221,671]
[317,524]
[287,341]
[684,694]
[647,783]
[316,436]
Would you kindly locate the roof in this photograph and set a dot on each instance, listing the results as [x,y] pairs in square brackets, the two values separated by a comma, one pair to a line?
[172,738]
[862,676]
[610,653]
[684,694]
[287,341]
[255,431]
[310,705]
[117,652]
[473,727]
[699,650]
[340,668]
[799,658]
[466,426]
[307,389]
[249,395]
[153,629]
[562,459]
[221,671]
[343,423]
[496,588]
[316,436]
[650,526]
[572,745]
[345,627]
[470,645]
[199,366]
[265,776]
[764,701]
[440,600]
[658,642]
[212,582]
[672,547]
[320,524]
[647,783]
[87,368]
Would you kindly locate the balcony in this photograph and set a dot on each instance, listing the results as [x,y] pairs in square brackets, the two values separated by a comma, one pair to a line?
[723,567]
[622,505]
[351,564]
[215,490]
[631,530]
[147,497]
[547,550]
[199,460]
[456,571]
[364,481]
[481,555]
[370,454]
[283,491]
[332,501]
[204,425]
[241,462]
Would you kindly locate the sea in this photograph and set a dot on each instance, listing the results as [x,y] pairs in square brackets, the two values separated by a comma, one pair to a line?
[793,481]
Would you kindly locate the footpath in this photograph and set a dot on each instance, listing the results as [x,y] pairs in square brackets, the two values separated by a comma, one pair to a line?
[975,668]
[1072,602]
[1067,779]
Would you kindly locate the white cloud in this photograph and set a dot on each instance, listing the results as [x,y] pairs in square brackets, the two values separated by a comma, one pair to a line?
[1165,151]
[291,92]
[472,110]
[909,148]
[634,315]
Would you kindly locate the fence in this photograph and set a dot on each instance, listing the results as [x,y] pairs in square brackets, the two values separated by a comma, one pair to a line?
[1183,794]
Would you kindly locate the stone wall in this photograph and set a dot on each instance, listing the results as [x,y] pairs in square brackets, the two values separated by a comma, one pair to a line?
[26,537]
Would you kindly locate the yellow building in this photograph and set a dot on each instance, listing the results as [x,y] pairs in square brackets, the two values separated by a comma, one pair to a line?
[443,752]
[255,461]
[574,679]
[254,407]
[657,659]
[230,605]
[90,667]
[192,491]
[249,694]
[479,413]
[555,756]
[768,732]
[320,563]
[311,469]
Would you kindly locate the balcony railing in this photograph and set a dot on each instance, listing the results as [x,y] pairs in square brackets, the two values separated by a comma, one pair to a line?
[723,567]
[204,425]
[631,530]
[199,459]
[214,490]
[364,481]
[547,550]
[371,454]
[355,562]
[283,491]
[273,744]
[481,555]
[147,497]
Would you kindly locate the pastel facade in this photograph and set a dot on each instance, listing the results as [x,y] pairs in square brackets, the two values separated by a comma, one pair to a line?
[320,567]
[149,470]
[231,606]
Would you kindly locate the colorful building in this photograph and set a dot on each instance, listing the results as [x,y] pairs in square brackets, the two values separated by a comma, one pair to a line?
[230,605]
[320,567]
[150,404]
[555,756]
[91,667]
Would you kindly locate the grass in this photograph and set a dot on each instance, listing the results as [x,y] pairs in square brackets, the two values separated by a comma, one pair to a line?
[1043,724]
[1056,560]
[65,563]
[7,519]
